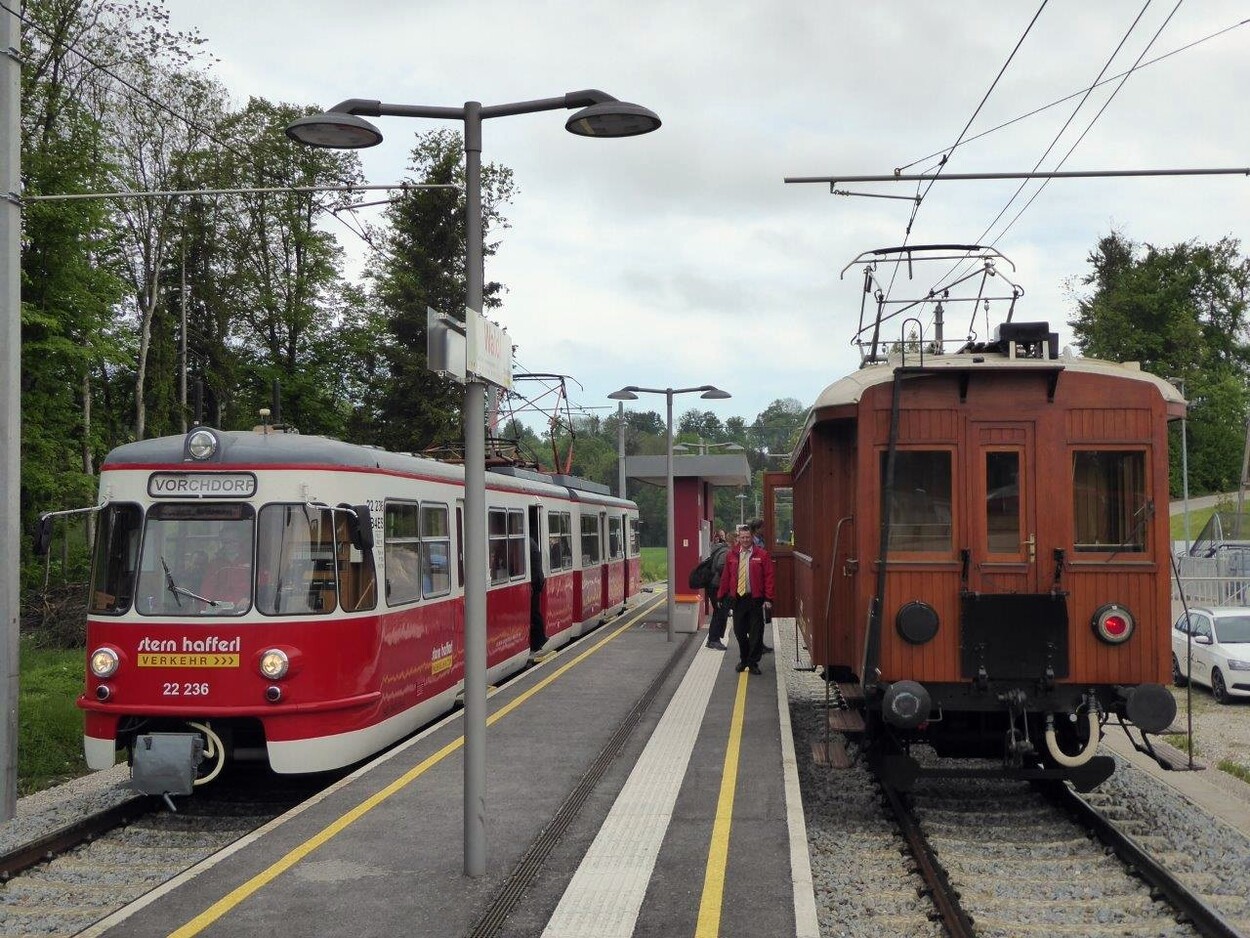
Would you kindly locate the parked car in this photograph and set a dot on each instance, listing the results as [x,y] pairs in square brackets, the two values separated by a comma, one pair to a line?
[1219,657]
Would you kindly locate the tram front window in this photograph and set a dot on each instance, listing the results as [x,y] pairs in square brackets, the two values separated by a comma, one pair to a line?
[196,560]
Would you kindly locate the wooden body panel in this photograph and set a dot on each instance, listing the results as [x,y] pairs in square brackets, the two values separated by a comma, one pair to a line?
[1036,418]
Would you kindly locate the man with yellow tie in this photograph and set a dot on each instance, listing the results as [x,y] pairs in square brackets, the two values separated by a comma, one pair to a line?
[747,581]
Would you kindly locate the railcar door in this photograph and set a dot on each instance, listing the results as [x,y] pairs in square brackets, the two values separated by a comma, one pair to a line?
[1002,510]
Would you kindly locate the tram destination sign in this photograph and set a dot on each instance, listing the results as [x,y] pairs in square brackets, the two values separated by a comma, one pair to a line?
[201,485]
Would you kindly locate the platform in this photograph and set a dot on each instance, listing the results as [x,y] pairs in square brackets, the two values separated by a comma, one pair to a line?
[635,787]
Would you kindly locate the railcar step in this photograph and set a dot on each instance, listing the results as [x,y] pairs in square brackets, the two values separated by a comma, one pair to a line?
[846,721]
[1176,759]
[853,694]
[833,755]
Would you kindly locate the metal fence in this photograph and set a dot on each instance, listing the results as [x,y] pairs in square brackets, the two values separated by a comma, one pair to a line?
[1221,580]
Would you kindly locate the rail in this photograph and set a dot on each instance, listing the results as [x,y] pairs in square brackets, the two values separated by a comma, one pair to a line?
[1206,920]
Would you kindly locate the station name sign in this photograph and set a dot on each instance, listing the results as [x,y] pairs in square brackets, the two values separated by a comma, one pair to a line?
[201,485]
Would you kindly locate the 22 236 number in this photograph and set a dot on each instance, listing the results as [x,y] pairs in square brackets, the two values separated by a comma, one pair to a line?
[185,689]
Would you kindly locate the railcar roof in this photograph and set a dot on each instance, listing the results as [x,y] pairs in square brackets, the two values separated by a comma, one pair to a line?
[850,389]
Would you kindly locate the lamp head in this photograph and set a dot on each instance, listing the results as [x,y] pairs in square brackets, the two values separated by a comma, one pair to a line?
[624,394]
[715,394]
[334,130]
[612,119]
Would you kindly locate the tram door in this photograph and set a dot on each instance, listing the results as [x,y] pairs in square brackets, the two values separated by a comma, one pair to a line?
[1002,508]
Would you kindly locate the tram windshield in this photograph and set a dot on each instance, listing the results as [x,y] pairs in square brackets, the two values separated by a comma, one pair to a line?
[196,560]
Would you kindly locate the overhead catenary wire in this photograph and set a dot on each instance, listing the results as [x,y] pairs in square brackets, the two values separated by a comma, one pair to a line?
[1069,97]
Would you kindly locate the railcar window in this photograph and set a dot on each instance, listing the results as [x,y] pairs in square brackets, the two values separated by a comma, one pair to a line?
[920,519]
[295,561]
[518,555]
[497,525]
[590,540]
[1109,502]
[116,556]
[560,536]
[358,586]
[614,537]
[435,551]
[196,560]
[401,557]
[1002,502]
[783,517]
[633,537]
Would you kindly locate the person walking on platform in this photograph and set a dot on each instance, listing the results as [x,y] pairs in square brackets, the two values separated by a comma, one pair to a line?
[720,608]
[747,581]
[756,527]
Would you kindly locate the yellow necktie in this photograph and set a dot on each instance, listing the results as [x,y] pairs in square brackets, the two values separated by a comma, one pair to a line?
[744,562]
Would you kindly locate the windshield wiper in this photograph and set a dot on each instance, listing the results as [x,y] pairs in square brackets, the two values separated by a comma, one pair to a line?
[179,591]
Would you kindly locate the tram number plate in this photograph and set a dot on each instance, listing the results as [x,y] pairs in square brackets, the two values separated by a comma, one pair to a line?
[185,689]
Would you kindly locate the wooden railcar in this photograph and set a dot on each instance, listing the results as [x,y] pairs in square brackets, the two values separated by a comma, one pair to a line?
[981,543]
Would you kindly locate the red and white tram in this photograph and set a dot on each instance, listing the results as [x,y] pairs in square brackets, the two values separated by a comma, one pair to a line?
[301,600]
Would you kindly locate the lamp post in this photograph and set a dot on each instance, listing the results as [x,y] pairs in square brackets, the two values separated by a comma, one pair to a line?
[742,508]
[620,449]
[630,393]
[342,128]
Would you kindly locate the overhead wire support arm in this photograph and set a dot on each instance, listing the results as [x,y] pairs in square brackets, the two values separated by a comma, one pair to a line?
[1057,174]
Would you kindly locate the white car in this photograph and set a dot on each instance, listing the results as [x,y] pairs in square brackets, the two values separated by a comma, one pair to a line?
[1212,647]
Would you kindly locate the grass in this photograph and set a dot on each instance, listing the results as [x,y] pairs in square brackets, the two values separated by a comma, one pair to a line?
[49,747]
[1180,741]
[1198,517]
[1235,769]
[654,564]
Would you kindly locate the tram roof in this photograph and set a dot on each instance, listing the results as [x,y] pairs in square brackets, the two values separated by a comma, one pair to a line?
[850,389]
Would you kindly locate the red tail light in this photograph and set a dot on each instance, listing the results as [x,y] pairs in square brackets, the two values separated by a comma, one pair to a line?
[1113,624]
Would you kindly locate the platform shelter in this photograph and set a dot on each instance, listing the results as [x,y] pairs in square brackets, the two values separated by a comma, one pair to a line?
[694,477]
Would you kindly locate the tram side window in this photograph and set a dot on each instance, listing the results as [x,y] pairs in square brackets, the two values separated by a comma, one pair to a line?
[358,586]
[518,555]
[614,537]
[1109,502]
[590,540]
[633,537]
[560,534]
[920,520]
[497,526]
[295,561]
[402,553]
[116,554]
[783,516]
[435,551]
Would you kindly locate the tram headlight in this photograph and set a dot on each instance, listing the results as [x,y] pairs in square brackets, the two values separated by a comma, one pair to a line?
[104,662]
[274,664]
[201,444]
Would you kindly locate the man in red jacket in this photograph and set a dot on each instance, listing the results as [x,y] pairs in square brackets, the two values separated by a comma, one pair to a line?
[748,581]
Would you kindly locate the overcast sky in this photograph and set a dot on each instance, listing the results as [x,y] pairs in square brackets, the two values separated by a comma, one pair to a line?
[681,258]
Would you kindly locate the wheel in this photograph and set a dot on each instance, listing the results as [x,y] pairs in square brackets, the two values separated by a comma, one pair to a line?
[1218,690]
[1177,678]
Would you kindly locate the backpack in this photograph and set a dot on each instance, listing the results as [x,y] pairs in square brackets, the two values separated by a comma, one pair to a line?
[701,575]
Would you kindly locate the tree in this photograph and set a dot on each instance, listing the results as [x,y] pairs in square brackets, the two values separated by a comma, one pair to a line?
[420,264]
[1181,313]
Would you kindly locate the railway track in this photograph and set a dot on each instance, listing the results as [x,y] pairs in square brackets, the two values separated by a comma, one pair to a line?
[1003,858]
[68,880]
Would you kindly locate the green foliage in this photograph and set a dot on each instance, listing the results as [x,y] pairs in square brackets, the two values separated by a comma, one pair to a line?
[1181,312]
[1235,769]
[654,564]
[49,748]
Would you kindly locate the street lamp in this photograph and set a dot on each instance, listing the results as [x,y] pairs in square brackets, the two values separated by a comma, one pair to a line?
[742,507]
[710,393]
[342,128]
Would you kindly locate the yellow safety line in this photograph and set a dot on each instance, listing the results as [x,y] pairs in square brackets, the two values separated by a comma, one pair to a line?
[718,850]
[263,878]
